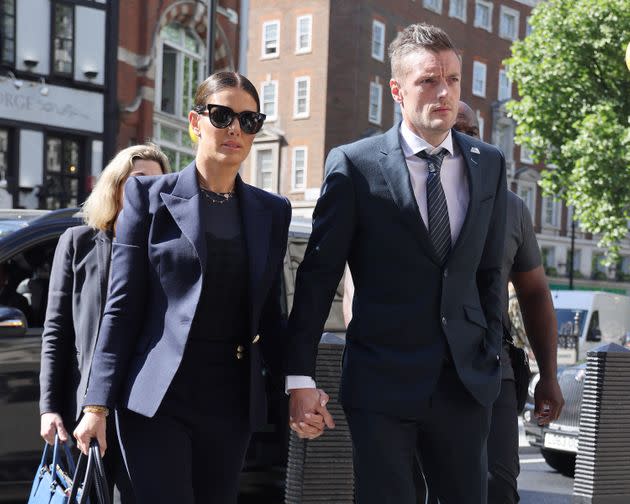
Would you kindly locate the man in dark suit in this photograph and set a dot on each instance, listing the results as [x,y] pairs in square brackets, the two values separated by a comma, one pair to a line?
[419,215]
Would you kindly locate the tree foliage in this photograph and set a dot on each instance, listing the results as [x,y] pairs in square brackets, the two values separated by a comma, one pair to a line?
[574,108]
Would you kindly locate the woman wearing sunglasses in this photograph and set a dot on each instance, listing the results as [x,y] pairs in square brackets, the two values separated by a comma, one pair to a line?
[193,310]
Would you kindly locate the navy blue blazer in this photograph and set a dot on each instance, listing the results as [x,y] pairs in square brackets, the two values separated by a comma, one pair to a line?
[76,299]
[158,262]
[407,307]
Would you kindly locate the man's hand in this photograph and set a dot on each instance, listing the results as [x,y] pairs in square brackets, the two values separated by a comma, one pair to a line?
[91,426]
[548,400]
[308,413]
[51,424]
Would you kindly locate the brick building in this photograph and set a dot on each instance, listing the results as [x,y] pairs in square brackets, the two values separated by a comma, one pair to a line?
[162,58]
[323,73]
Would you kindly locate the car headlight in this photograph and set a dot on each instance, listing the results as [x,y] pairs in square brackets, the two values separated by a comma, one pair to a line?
[532,386]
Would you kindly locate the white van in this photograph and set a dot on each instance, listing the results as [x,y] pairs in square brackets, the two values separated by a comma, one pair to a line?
[587,319]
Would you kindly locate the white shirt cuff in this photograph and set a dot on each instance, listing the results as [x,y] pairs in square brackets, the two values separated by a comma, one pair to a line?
[294,382]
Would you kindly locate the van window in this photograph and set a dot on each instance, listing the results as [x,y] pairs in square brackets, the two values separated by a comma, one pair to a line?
[570,322]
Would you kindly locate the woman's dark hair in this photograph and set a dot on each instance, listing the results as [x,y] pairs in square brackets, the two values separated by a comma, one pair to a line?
[219,81]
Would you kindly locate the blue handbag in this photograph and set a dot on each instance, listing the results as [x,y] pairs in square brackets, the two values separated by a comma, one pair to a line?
[52,481]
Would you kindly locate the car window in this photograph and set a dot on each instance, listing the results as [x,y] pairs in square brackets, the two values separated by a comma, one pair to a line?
[24,281]
[295,253]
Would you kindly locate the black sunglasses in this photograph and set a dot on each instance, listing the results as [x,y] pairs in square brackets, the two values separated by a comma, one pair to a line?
[221,117]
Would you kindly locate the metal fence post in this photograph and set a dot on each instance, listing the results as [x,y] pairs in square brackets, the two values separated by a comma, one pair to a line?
[602,466]
[321,470]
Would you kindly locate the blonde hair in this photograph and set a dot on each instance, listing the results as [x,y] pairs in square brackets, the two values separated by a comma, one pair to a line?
[102,207]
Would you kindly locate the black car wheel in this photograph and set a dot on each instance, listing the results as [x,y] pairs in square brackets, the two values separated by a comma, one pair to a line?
[563,462]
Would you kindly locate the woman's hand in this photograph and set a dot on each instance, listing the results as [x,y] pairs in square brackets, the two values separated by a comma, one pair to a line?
[91,426]
[51,424]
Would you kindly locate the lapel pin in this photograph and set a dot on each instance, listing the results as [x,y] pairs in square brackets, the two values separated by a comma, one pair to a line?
[474,150]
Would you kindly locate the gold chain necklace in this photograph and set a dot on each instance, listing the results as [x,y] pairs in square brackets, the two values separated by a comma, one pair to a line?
[222,197]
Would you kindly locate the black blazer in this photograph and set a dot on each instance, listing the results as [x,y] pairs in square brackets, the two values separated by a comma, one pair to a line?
[406,307]
[76,298]
[158,261]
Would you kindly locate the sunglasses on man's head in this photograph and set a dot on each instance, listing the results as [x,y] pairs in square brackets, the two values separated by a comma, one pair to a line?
[221,117]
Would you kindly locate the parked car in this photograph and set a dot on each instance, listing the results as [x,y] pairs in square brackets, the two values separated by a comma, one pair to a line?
[27,243]
[585,319]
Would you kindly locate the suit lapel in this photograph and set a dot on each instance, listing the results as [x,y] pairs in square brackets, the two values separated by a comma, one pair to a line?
[256,219]
[394,169]
[184,205]
[470,154]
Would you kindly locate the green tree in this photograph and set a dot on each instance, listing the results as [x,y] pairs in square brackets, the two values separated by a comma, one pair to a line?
[574,108]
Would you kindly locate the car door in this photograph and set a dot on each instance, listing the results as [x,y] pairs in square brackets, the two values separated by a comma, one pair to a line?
[27,272]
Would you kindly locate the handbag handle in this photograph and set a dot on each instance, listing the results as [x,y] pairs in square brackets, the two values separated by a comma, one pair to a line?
[100,479]
[57,452]
[89,471]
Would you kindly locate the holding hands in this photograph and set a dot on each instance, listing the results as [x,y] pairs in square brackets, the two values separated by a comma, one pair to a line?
[308,414]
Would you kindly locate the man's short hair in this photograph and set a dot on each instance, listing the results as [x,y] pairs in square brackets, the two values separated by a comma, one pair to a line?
[414,37]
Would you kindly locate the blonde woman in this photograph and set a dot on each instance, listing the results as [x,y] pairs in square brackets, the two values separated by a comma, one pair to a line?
[76,298]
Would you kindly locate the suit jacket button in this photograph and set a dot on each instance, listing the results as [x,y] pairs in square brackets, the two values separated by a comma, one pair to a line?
[256,338]
[444,321]
[498,358]
[240,349]
[445,273]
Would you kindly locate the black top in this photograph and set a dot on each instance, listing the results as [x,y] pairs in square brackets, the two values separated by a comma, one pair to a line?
[224,295]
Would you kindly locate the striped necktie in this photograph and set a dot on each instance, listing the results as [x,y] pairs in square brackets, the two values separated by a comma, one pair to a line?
[439,224]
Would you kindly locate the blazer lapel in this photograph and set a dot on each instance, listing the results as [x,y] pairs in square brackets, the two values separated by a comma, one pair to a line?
[103,256]
[394,169]
[470,154]
[184,204]
[256,219]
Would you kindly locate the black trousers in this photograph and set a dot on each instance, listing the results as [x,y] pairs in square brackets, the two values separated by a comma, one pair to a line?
[449,437]
[193,449]
[503,461]
[170,461]
[115,470]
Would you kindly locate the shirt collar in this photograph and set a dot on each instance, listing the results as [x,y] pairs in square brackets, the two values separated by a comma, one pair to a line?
[412,144]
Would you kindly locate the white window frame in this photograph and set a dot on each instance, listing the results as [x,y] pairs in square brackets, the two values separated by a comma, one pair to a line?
[309,47]
[428,4]
[489,6]
[294,186]
[555,212]
[378,55]
[528,26]
[577,253]
[525,155]
[551,254]
[306,113]
[482,123]
[179,91]
[478,66]
[274,83]
[376,119]
[529,189]
[275,157]
[504,88]
[275,54]
[257,159]
[455,15]
[507,11]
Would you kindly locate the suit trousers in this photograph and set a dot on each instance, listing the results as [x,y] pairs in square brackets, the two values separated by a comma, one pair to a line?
[449,436]
[503,463]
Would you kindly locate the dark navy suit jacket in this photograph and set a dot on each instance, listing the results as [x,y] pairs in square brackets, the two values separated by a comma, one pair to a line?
[407,307]
[76,298]
[158,262]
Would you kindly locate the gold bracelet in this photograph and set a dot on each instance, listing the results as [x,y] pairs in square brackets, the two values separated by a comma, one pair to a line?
[96,409]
